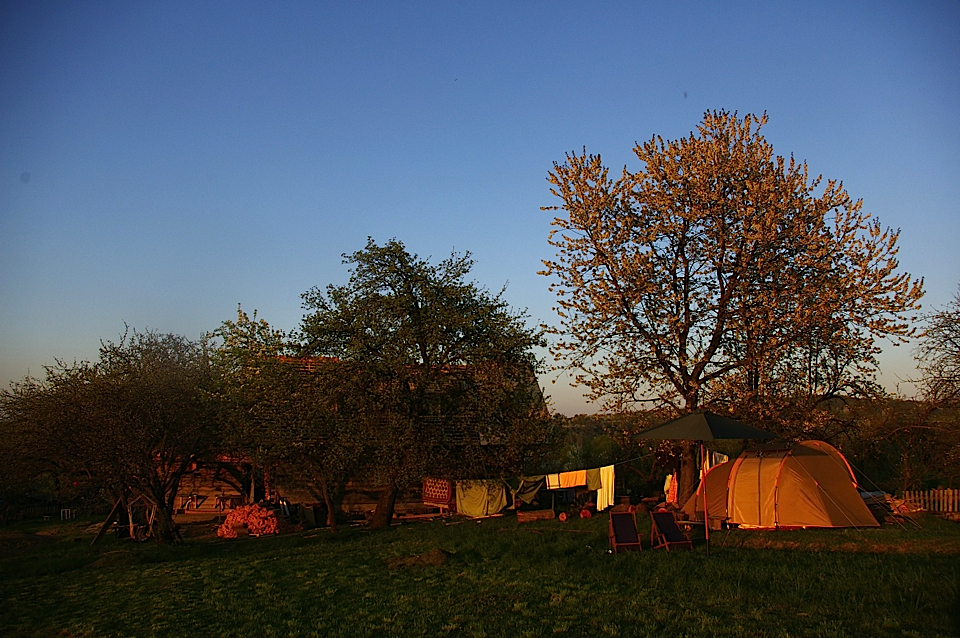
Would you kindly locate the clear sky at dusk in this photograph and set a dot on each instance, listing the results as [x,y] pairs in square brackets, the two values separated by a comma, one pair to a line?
[161,162]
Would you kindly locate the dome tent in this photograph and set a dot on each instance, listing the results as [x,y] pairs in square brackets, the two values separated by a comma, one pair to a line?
[808,484]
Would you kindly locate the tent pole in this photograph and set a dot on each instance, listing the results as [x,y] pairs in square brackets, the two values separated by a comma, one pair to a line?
[703,488]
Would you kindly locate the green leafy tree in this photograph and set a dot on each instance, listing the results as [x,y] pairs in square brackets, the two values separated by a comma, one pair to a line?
[716,264]
[437,375]
[904,444]
[252,389]
[133,422]
[280,410]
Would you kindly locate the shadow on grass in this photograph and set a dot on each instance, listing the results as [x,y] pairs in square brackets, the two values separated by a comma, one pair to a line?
[494,578]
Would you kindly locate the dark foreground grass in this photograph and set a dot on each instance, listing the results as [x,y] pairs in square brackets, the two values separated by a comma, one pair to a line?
[493,578]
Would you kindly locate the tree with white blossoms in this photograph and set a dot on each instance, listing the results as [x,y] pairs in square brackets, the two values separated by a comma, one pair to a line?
[716,262]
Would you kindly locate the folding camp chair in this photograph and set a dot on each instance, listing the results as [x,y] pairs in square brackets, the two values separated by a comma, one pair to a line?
[664,532]
[623,532]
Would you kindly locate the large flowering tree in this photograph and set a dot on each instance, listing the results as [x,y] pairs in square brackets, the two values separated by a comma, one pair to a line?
[718,265]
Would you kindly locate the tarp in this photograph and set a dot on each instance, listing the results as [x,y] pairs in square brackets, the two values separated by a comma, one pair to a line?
[481,498]
[525,487]
[808,484]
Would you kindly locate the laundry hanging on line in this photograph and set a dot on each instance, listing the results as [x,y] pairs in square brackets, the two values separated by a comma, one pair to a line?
[481,498]
[485,497]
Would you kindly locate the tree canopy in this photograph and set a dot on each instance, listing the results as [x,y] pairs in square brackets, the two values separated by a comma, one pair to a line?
[939,355]
[435,369]
[718,267]
[132,422]
[280,410]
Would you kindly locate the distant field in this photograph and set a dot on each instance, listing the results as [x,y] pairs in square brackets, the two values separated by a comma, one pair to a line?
[489,578]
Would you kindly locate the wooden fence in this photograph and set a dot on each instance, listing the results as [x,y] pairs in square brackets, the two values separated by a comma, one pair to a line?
[9,513]
[935,500]
[31,511]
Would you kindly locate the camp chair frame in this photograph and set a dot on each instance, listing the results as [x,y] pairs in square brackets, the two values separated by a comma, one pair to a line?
[623,532]
[665,533]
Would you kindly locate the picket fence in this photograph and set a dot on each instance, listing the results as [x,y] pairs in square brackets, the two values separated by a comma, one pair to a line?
[934,500]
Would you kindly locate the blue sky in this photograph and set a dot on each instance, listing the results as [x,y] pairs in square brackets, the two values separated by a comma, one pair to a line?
[161,162]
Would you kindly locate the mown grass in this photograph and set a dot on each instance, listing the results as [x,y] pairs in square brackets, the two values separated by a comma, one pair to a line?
[494,578]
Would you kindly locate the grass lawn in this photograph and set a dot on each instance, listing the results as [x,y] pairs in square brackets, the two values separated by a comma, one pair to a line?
[488,578]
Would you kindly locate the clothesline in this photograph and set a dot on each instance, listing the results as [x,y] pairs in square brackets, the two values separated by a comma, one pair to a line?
[643,456]
[636,458]
[485,497]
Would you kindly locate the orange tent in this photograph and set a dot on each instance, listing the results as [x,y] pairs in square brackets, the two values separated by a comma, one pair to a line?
[808,484]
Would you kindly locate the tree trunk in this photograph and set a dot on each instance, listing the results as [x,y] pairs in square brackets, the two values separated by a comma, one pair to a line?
[164,530]
[383,515]
[328,501]
[689,472]
[253,483]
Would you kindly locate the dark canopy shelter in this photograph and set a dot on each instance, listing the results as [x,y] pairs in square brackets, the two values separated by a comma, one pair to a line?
[704,426]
